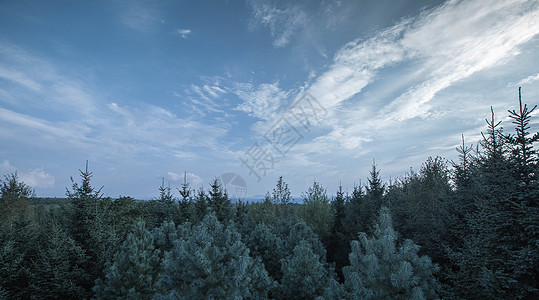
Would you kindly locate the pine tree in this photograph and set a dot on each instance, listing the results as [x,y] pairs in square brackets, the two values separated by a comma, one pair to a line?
[269,247]
[211,262]
[382,268]
[281,193]
[134,270]
[305,274]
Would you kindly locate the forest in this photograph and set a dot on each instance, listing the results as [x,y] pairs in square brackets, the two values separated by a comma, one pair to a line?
[465,229]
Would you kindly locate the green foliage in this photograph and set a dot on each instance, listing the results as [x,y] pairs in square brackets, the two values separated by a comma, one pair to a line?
[91,224]
[381,268]
[15,198]
[212,262]
[478,220]
[269,247]
[497,255]
[134,269]
[338,244]
[58,271]
[305,274]
[219,202]
[317,212]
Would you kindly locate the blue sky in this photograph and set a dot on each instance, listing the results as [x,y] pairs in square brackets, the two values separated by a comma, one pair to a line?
[310,90]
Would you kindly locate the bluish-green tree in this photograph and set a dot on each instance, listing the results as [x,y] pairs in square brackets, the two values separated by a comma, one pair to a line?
[382,268]
[211,262]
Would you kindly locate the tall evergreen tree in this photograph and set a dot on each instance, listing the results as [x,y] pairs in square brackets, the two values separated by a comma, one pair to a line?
[219,202]
[382,268]
[338,246]
[524,156]
[91,225]
[316,211]
[375,188]
[58,271]
[353,221]
[15,198]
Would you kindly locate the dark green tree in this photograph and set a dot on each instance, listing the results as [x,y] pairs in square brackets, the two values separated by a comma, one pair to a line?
[269,247]
[133,272]
[219,203]
[317,212]
[15,198]
[338,245]
[91,226]
[58,271]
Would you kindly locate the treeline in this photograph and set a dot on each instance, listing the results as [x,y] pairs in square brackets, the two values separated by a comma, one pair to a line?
[457,230]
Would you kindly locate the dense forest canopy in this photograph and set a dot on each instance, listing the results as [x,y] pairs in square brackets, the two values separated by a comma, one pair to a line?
[454,229]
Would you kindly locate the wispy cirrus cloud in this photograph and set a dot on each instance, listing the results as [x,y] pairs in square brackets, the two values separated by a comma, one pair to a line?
[282,22]
[446,44]
[261,101]
[45,104]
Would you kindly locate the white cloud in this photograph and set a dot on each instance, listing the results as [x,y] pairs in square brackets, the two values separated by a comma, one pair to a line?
[34,178]
[262,101]
[37,178]
[184,33]
[154,129]
[447,44]
[19,78]
[282,22]
[6,168]
[529,79]
[192,179]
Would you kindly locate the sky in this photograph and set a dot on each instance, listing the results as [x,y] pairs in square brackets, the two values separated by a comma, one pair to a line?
[247,91]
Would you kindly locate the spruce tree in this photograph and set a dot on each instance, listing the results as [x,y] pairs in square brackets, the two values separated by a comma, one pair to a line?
[382,268]
[219,202]
[91,225]
[353,222]
[15,198]
[338,248]
[58,271]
